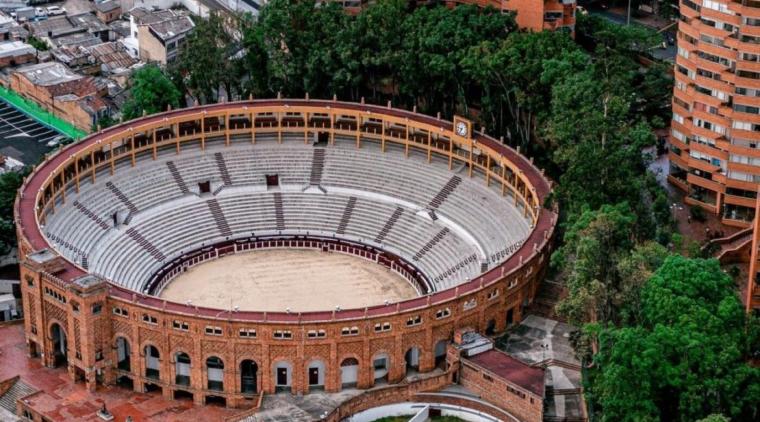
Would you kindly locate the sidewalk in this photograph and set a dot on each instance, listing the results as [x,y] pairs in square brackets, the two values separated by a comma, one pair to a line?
[649,20]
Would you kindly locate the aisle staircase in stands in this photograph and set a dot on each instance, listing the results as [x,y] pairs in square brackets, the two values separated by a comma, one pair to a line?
[219,218]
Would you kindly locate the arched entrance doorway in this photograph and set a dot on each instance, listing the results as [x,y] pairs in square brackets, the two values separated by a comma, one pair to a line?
[412,358]
[123,354]
[182,369]
[248,373]
[349,373]
[152,365]
[491,327]
[381,364]
[440,353]
[60,345]
[215,373]
[315,375]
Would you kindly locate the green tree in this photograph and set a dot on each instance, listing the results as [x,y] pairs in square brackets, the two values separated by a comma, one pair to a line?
[151,92]
[435,51]
[37,43]
[10,182]
[517,75]
[210,60]
[605,268]
[686,358]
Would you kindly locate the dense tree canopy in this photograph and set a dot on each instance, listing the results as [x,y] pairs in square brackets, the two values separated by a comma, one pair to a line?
[151,92]
[687,357]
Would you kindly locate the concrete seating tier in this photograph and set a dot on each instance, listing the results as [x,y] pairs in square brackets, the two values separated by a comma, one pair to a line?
[433,217]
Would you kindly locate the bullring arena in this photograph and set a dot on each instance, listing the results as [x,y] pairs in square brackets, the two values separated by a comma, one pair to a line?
[229,250]
[275,280]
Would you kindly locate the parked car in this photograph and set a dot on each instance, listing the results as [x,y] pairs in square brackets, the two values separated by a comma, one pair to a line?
[60,139]
[39,12]
[55,10]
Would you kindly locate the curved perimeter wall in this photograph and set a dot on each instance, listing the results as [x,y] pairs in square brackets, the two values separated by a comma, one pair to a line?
[101,331]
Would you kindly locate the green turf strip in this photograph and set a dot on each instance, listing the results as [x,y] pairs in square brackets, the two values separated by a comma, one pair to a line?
[35,111]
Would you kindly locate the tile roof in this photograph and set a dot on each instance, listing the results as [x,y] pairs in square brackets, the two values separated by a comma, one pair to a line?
[510,369]
[112,55]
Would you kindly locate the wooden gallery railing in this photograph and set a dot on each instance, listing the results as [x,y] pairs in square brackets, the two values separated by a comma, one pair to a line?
[242,122]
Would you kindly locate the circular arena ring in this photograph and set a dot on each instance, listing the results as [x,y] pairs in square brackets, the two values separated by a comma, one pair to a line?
[231,249]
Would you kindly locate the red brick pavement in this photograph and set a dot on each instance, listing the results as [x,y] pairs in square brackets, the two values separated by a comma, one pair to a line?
[62,400]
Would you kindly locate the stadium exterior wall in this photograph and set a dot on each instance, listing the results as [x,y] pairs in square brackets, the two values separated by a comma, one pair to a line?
[92,313]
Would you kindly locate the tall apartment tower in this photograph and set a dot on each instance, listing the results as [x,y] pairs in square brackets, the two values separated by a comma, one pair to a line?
[715,134]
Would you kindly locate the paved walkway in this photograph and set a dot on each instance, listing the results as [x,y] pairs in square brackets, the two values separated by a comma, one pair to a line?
[63,401]
[286,407]
[539,339]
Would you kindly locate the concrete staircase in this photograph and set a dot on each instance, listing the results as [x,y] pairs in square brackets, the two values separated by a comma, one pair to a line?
[444,193]
[729,246]
[91,215]
[145,244]
[222,165]
[389,224]
[18,390]
[431,243]
[122,197]
[279,214]
[219,218]
[317,166]
[346,215]
[177,177]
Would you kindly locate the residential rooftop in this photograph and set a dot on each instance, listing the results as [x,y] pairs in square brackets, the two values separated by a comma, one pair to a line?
[46,74]
[171,28]
[79,39]
[15,48]
[107,6]
[145,16]
[112,55]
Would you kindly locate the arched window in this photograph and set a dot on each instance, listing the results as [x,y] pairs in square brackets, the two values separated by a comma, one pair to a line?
[349,373]
[182,368]
[215,373]
[122,354]
[152,365]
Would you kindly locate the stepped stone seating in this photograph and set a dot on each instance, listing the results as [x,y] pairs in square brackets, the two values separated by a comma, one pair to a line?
[364,195]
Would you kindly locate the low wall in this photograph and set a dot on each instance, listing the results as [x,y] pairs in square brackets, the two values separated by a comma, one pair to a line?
[390,394]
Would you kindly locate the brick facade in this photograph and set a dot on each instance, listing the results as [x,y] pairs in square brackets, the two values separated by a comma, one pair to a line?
[74,100]
[90,334]
[99,318]
[17,60]
[517,400]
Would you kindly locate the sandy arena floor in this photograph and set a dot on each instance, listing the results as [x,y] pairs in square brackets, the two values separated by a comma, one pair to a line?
[299,279]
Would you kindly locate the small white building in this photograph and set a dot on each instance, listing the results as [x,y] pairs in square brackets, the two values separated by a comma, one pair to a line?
[8,310]
[9,164]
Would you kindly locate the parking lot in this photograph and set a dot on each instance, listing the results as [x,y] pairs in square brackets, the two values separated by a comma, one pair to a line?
[22,137]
